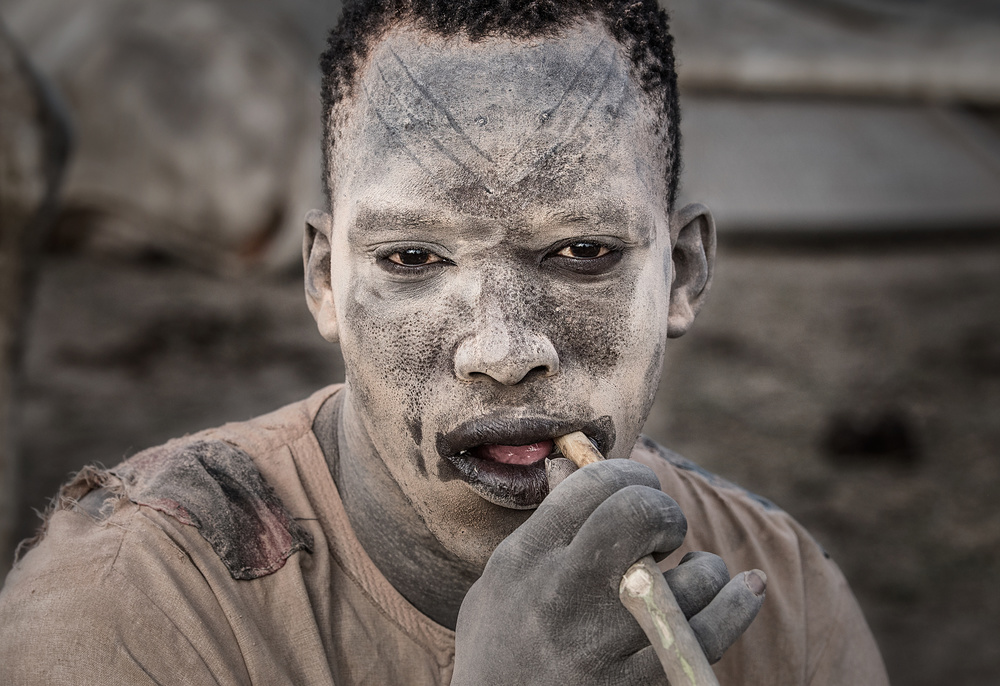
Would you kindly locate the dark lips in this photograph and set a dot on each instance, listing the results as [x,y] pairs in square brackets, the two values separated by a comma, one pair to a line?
[515,486]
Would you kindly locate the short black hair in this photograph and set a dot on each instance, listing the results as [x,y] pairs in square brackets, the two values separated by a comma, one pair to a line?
[640,26]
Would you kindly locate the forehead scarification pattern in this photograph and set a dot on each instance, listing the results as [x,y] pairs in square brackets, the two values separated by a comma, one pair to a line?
[560,122]
[433,138]
[456,129]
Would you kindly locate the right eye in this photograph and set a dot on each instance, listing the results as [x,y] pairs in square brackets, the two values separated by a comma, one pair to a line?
[584,250]
[414,257]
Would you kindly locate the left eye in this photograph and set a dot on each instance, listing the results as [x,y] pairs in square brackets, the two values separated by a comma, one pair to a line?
[414,257]
[584,250]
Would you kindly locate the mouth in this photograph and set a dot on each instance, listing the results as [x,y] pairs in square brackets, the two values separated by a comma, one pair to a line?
[503,459]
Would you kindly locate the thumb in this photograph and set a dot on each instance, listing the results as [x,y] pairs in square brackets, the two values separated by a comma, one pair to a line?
[557,469]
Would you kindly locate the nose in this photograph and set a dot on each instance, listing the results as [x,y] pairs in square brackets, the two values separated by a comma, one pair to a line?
[505,353]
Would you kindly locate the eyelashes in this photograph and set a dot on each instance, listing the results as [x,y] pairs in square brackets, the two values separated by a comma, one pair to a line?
[410,261]
[586,256]
[582,256]
[414,257]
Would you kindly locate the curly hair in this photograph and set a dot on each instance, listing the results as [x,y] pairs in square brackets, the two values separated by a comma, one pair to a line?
[640,26]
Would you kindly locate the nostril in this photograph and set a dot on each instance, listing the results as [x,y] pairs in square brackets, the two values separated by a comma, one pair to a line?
[527,356]
[510,379]
[537,372]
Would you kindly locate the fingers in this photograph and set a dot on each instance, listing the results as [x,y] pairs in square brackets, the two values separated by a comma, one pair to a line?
[696,580]
[566,508]
[630,524]
[729,614]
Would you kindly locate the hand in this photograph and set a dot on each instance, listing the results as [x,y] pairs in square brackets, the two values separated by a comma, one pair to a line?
[546,609]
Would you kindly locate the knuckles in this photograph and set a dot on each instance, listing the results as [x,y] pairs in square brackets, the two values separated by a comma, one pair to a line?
[697,580]
[614,475]
[612,509]
[703,568]
[648,512]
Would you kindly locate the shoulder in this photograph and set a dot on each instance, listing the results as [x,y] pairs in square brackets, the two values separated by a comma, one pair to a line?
[110,600]
[264,434]
[135,563]
[723,517]
[727,519]
[142,569]
[219,482]
[215,487]
[659,458]
[810,629]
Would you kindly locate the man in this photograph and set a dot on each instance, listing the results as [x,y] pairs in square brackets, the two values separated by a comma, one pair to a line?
[502,263]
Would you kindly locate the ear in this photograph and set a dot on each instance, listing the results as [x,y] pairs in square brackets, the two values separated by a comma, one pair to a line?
[692,232]
[316,259]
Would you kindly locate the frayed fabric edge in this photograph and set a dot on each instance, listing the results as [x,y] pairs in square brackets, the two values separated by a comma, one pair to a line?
[89,478]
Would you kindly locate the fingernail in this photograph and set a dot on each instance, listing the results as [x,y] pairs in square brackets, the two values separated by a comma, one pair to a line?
[557,469]
[756,581]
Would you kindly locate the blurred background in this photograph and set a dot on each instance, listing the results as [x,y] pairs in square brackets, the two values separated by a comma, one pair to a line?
[847,365]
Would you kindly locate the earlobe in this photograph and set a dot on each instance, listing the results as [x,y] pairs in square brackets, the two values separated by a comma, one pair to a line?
[316,260]
[692,232]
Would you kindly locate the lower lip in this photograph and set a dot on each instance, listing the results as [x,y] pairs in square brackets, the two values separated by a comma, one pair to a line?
[511,476]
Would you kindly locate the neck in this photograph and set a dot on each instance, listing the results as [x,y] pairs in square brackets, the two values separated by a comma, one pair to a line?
[389,529]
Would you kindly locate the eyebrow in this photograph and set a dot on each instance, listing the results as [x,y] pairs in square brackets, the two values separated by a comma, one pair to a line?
[378,221]
[604,213]
[382,219]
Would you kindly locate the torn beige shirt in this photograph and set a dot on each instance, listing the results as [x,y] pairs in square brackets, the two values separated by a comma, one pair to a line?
[142,597]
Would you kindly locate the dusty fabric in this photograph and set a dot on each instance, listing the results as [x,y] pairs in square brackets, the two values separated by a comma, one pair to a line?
[142,597]
[215,487]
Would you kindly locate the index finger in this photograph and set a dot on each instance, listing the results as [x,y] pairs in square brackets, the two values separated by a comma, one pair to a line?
[566,508]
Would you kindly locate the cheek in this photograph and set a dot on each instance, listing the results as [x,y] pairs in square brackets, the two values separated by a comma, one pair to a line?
[397,350]
[588,329]
[645,328]
[605,328]
[624,352]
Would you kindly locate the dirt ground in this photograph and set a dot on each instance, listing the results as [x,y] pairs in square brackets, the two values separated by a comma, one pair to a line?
[858,389]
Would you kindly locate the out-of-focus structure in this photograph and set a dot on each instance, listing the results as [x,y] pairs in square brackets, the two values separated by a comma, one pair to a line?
[197,121]
[198,125]
[34,143]
[854,116]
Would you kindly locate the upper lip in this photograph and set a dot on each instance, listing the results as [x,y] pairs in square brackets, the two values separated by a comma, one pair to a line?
[506,430]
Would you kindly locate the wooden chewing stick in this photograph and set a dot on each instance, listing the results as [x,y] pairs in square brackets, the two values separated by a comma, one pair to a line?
[644,593]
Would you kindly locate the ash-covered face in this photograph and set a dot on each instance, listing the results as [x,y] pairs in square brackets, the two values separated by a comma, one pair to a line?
[497,266]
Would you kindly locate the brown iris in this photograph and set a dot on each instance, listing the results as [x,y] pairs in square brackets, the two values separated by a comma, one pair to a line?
[584,250]
[414,257]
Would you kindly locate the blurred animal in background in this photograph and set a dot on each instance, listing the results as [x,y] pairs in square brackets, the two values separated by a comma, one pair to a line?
[197,123]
